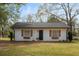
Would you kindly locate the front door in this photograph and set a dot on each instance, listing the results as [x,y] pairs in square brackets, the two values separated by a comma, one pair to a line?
[40,34]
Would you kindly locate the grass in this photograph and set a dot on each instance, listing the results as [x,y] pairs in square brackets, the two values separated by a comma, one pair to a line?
[4,39]
[8,48]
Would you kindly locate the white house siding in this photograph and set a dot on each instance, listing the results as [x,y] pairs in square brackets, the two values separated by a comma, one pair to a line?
[35,35]
[18,35]
[63,34]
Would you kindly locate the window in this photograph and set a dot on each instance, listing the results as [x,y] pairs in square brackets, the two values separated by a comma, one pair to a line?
[26,33]
[55,34]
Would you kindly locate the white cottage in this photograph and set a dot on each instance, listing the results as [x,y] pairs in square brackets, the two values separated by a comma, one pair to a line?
[55,31]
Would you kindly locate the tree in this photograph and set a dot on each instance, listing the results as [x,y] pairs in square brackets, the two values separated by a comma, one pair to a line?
[3,17]
[53,19]
[70,13]
[42,14]
[29,18]
[9,13]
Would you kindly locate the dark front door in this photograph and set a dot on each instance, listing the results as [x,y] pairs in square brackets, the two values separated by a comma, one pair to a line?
[40,34]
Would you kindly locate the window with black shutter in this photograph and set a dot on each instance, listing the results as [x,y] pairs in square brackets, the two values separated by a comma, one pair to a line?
[26,33]
[55,34]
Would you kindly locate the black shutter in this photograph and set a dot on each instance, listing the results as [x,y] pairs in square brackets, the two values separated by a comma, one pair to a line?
[22,32]
[31,32]
[59,32]
[50,33]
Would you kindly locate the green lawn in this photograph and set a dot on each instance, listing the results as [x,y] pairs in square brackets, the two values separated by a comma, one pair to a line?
[39,48]
[4,39]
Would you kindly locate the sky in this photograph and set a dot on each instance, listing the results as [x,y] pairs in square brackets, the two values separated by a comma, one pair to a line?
[30,8]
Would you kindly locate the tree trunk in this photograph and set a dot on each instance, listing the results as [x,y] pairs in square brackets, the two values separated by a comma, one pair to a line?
[11,36]
[71,38]
[2,32]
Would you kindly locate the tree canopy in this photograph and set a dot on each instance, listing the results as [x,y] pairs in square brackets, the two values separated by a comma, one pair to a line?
[9,14]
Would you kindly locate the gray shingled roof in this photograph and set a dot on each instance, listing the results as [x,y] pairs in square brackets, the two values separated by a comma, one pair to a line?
[40,25]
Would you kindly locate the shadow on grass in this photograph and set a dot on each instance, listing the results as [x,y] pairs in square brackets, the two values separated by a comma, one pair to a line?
[7,40]
[31,42]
